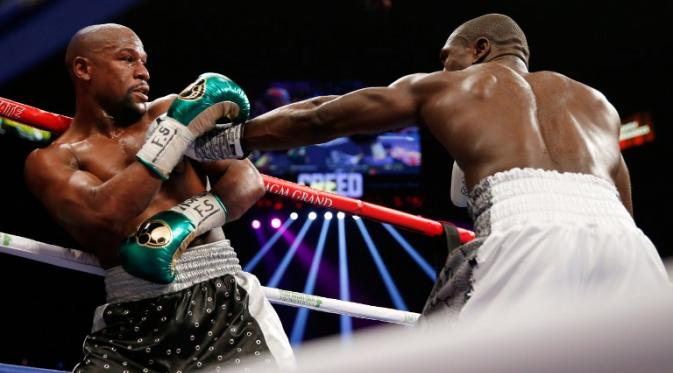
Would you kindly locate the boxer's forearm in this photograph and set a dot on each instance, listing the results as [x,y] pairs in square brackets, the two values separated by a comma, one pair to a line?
[126,195]
[278,129]
[369,110]
[238,184]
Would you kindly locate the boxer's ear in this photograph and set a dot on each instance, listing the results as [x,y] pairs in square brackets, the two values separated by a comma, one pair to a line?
[81,68]
[482,48]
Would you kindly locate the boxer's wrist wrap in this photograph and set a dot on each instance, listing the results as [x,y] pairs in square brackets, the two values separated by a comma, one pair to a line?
[223,142]
[152,251]
[205,211]
[165,146]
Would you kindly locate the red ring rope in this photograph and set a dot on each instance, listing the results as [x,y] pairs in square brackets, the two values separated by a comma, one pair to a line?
[59,123]
[369,210]
[33,116]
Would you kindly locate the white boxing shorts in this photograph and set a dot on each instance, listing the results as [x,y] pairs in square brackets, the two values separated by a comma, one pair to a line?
[545,236]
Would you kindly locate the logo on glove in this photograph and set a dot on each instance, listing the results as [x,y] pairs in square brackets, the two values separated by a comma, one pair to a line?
[154,234]
[194,91]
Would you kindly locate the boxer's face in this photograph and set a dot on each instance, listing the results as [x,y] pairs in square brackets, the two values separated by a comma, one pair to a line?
[119,76]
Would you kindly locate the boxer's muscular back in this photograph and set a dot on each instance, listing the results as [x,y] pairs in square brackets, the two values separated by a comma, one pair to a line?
[499,119]
[104,157]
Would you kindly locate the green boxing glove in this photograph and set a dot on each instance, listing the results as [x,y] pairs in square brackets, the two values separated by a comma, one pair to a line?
[151,253]
[193,113]
[223,142]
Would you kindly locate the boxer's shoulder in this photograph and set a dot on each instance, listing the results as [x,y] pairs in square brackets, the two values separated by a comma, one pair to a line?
[160,105]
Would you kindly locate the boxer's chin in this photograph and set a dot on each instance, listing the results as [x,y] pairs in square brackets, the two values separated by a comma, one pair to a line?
[131,109]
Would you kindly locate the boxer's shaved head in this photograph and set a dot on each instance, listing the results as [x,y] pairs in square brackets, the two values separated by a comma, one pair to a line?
[499,29]
[96,38]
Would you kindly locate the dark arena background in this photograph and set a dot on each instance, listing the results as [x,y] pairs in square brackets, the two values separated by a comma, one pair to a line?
[289,50]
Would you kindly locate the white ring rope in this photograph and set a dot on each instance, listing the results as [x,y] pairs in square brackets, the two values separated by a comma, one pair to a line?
[85,262]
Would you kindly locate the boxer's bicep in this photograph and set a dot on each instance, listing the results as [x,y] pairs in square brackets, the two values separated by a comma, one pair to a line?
[67,192]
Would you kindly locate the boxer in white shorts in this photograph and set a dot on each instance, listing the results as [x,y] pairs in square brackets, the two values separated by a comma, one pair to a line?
[550,191]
